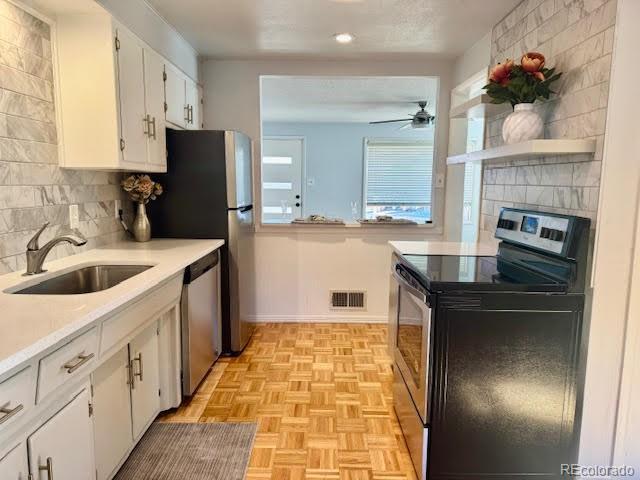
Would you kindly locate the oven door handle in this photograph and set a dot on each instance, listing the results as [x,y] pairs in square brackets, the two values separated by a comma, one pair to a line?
[410,288]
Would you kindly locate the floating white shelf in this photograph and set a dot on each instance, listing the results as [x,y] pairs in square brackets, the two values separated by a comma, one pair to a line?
[478,107]
[531,148]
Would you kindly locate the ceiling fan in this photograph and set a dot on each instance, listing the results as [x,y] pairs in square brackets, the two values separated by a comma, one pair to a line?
[420,119]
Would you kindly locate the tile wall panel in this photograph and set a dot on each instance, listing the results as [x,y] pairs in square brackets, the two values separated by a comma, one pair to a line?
[576,36]
[33,189]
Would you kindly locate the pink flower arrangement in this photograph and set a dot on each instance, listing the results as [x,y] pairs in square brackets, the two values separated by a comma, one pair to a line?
[524,83]
[141,188]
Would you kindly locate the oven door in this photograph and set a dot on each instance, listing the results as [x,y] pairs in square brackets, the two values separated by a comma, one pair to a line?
[413,339]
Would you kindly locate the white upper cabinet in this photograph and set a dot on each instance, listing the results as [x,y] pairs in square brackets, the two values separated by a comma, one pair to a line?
[183,100]
[113,99]
[175,86]
[192,101]
[154,100]
[131,89]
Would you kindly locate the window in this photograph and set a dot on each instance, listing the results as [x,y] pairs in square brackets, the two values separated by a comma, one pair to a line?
[399,179]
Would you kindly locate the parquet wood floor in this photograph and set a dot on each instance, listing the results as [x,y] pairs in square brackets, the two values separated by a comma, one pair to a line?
[321,397]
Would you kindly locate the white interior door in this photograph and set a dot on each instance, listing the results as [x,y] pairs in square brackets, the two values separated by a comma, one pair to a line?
[145,385]
[131,91]
[112,413]
[64,445]
[282,160]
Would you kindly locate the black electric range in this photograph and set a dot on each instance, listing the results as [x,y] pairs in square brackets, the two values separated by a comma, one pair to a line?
[487,352]
[447,273]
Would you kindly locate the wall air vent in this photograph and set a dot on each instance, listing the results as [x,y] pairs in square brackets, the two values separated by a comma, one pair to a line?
[352,300]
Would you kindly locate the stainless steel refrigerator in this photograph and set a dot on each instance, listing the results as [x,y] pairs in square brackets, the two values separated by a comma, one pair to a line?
[208,193]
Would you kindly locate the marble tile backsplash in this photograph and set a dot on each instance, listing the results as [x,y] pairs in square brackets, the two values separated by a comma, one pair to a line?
[33,189]
[576,36]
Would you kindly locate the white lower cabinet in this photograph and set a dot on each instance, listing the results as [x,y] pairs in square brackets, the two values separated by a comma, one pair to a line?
[62,448]
[145,378]
[125,399]
[14,465]
[112,413]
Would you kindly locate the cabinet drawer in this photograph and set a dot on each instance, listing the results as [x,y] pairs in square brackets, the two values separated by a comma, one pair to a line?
[69,361]
[17,394]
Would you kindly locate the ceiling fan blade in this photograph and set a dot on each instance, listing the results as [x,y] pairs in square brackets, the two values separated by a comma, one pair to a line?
[390,121]
[404,127]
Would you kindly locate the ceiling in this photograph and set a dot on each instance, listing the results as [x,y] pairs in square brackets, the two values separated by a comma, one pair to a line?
[305,28]
[344,99]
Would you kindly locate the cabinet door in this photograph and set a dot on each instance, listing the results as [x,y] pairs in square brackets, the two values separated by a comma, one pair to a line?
[145,384]
[193,104]
[154,97]
[112,413]
[13,466]
[175,96]
[131,92]
[63,446]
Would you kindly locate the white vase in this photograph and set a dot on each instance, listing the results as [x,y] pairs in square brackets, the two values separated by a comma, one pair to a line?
[522,125]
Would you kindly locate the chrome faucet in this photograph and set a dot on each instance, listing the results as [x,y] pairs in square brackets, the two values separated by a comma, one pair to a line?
[36,255]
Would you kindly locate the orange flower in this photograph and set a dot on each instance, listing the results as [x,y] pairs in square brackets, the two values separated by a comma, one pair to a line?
[533,62]
[500,73]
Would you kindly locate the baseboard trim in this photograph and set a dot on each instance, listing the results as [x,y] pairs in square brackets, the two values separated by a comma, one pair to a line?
[317,319]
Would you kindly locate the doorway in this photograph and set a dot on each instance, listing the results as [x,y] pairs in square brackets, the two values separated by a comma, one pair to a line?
[282,161]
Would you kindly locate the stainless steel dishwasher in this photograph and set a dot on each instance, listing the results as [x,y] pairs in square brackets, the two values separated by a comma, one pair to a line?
[201,320]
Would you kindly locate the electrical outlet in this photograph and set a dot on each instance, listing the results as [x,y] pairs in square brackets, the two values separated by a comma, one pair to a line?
[118,206]
[74,216]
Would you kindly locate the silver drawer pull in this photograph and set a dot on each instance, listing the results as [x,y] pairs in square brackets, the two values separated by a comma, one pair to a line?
[82,359]
[47,468]
[9,412]
[139,360]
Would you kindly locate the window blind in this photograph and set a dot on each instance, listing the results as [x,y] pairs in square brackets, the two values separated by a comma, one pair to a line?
[399,173]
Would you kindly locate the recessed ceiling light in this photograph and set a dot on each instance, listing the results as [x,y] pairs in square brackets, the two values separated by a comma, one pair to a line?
[343,37]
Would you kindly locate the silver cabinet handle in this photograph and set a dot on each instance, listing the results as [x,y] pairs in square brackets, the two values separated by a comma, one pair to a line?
[9,412]
[191,114]
[82,359]
[131,379]
[186,113]
[140,372]
[145,120]
[152,125]
[47,468]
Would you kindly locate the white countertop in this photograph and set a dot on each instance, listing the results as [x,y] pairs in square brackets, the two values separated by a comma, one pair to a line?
[444,248]
[29,324]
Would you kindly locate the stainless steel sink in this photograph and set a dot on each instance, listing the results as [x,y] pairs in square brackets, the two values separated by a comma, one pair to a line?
[84,280]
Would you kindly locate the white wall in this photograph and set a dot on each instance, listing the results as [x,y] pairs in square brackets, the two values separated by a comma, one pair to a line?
[138,16]
[610,423]
[296,269]
[466,65]
[476,58]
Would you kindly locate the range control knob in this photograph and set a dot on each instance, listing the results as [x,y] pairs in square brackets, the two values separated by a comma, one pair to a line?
[545,232]
[506,224]
[556,235]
